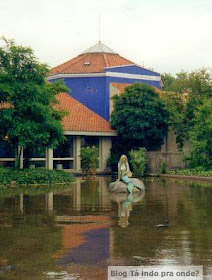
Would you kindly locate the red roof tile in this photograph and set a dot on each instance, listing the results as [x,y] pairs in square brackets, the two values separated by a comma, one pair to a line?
[122,86]
[90,63]
[81,118]
[5,105]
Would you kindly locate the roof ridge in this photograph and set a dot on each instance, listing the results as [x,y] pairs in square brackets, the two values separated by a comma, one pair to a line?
[106,61]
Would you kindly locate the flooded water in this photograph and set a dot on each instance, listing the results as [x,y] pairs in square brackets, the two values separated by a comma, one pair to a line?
[77,232]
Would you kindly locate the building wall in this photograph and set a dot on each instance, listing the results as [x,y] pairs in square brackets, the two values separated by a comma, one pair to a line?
[90,91]
[106,144]
[113,91]
[132,69]
[155,160]
[50,161]
[94,92]
[170,142]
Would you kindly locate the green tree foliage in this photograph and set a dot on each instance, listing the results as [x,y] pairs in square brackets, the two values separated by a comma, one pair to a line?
[183,94]
[140,117]
[175,105]
[31,121]
[138,160]
[201,136]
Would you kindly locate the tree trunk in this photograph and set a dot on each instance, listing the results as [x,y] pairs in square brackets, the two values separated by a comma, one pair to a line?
[19,157]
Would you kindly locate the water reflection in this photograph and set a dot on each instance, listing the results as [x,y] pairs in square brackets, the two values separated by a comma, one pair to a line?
[75,233]
[125,205]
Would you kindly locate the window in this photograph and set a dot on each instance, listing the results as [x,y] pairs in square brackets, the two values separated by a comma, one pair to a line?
[90,141]
[63,154]
[6,150]
[65,149]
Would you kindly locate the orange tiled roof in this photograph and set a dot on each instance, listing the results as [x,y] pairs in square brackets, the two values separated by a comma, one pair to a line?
[80,118]
[90,63]
[5,105]
[122,86]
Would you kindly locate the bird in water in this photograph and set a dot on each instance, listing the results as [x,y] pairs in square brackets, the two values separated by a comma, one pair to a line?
[165,225]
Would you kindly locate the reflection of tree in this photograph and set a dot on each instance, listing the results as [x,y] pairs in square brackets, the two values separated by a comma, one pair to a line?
[194,217]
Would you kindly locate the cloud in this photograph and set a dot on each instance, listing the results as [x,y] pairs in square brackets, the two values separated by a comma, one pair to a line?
[167,35]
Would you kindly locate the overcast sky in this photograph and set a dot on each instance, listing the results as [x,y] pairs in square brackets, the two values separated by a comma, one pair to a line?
[167,35]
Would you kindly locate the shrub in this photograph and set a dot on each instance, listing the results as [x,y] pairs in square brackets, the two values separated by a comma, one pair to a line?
[138,160]
[89,159]
[199,171]
[163,168]
[34,176]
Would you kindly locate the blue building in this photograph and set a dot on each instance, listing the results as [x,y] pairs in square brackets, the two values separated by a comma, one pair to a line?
[93,78]
[90,75]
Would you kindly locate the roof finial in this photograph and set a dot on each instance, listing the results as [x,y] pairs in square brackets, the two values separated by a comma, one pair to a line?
[99,28]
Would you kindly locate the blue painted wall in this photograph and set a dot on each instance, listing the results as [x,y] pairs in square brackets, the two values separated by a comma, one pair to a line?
[93,92]
[132,69]
[90,92]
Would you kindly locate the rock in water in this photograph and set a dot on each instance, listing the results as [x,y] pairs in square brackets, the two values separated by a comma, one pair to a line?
[121,187]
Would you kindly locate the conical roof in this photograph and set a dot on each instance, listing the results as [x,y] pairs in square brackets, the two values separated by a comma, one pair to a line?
[99,48]
[93,60]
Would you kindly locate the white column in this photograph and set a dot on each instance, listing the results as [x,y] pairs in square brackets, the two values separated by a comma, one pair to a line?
[49,158]
[77,160]
[106,144]
[101,141]
[21,153]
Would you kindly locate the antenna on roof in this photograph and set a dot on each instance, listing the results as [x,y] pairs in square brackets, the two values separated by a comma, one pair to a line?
[99,28]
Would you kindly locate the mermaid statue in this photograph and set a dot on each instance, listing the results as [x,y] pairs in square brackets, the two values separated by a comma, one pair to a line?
[124,175]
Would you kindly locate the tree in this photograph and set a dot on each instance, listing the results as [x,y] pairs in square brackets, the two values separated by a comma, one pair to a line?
[30,120]
[140,117]
[192,88]
[175,104]
[201,136]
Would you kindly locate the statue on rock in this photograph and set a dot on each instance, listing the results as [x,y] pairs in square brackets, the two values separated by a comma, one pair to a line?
[125,183]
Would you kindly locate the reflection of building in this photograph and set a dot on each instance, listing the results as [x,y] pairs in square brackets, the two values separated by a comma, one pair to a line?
[84,218]
[91,77]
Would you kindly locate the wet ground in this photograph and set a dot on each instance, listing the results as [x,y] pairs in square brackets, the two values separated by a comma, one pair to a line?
[77,232]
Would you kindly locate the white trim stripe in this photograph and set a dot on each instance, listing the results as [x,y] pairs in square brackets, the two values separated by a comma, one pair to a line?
[90,133]
[134,64]
[60,76]
[133,76]
[125,65]
[107,74]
